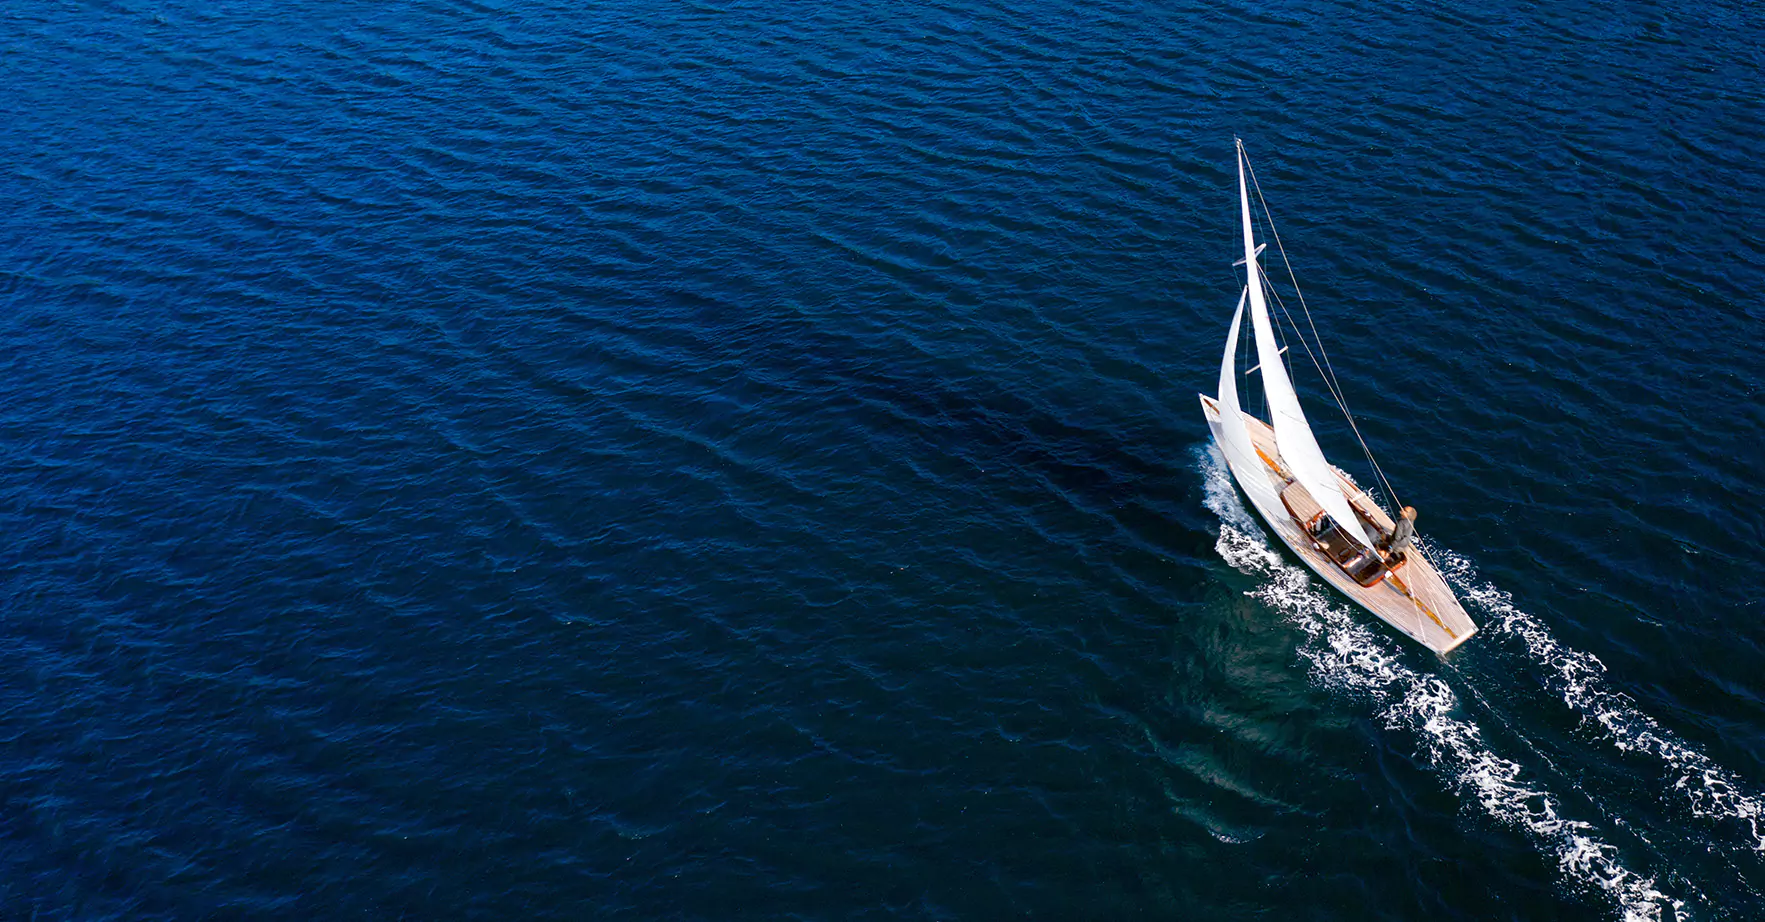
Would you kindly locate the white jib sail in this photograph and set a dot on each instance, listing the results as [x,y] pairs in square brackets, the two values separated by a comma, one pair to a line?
[1235,441]
[1293,436]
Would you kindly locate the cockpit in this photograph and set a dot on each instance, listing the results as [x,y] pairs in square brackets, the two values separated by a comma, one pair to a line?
[1363,564]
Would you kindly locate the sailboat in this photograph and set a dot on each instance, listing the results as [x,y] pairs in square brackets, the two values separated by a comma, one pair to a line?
[1316,509]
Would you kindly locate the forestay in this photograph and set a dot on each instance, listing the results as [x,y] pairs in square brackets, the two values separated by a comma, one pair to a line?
[1293,436]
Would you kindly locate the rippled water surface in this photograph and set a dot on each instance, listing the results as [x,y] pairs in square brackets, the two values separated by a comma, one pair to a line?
[741,460]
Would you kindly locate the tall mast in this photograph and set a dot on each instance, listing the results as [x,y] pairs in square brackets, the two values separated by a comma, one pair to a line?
[1257,305]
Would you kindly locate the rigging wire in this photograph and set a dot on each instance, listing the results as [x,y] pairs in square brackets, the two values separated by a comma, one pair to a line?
[1324,369]
[1280,331]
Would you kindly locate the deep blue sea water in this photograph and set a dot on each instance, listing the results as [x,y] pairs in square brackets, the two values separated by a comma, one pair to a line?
[670,460]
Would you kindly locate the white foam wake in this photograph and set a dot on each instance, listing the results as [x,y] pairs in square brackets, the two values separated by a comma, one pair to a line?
[1711,792]
[1345,653]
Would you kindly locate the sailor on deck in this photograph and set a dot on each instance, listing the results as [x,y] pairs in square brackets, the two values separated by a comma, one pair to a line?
[1399,540]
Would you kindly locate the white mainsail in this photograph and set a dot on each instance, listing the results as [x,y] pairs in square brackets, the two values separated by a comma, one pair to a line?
[1293,436]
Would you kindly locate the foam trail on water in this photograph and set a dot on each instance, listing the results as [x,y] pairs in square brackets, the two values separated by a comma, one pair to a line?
[1711,791]
[1346,653]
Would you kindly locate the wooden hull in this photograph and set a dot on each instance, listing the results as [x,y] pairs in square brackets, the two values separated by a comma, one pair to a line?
[1414,599]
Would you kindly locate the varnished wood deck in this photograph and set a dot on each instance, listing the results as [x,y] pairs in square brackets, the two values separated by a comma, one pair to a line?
[1414,599]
